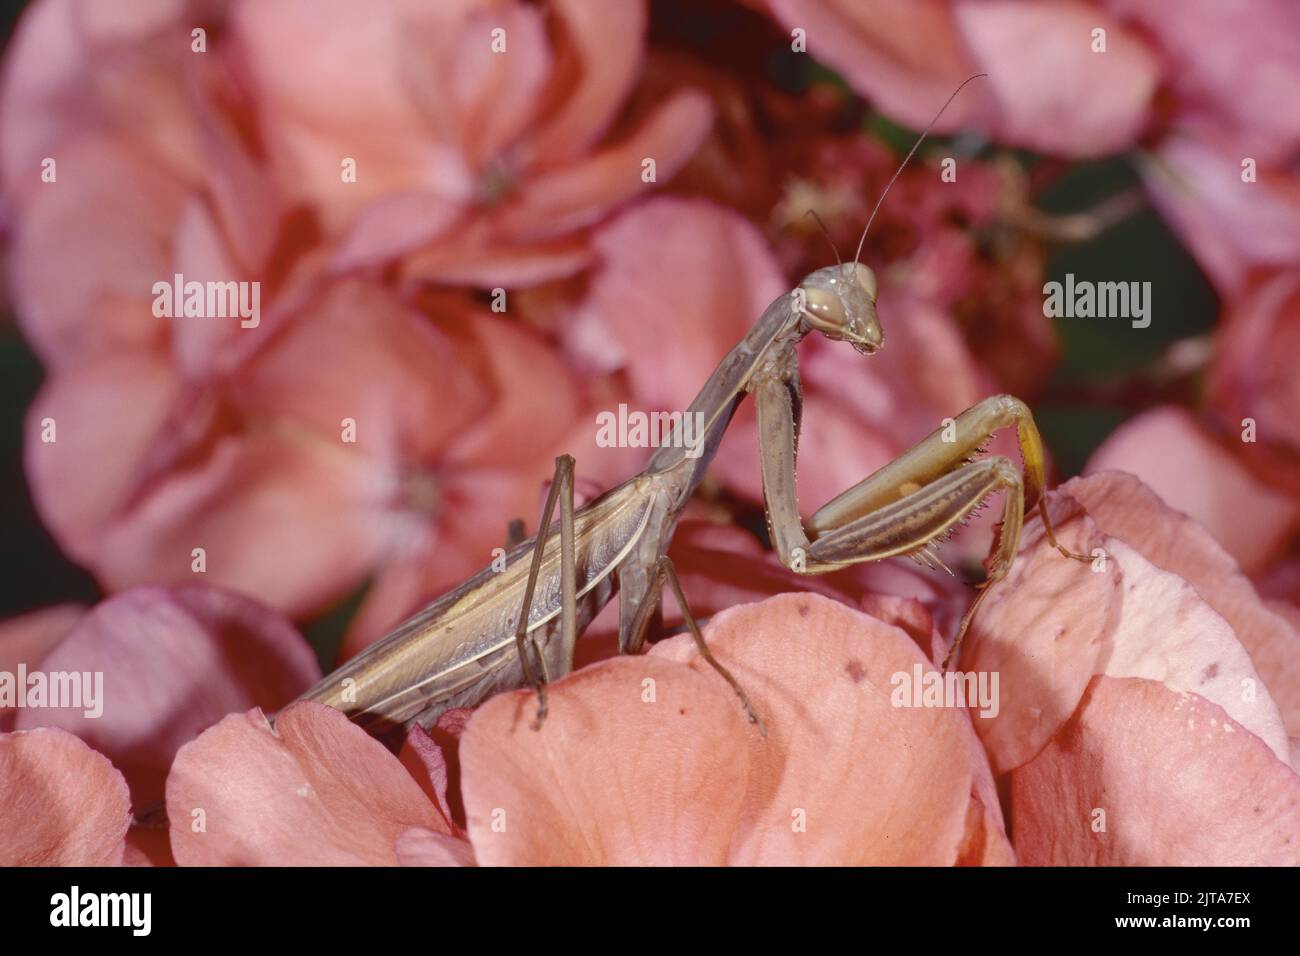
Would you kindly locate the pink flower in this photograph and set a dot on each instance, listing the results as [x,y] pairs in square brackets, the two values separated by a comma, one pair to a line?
[206,455]
[1223,174]
[1201,88]
[1125,688]
[1249,519]
[313,791]
[1227,72]
[1232,224]
[164,666]
[1252,381]
[123,164]
[908,58]
[64,804]
[1137,693]
[622,774]
[478,167]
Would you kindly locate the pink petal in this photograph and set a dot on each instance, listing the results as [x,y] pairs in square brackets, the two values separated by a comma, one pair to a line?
[74,66]
[1166,445]
[312,114]
[1054,94]
[907,58]
[204,348]
[419,846]
[1228,70]
[247,201]
[1230,226]
[494,96]
[358,352]
[1180,783]
[107,415]
[535,399]
[26,639]
[64,804]
[604,54]
[393,225]
[986,842]
[876,783]
[287,521]
[173,663]
[44,59]
[304,79]
[88,249]
[1251,375]
[1123,507]
[424,759]
[315,791]
[724,276]
[491,262]
[1053,624]
[578,194]
[609,779]
[1274,652]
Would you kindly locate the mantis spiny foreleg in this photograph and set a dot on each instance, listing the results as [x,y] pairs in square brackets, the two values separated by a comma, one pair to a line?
[911,502]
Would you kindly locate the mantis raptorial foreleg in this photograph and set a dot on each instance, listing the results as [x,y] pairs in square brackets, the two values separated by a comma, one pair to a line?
[908,504]
[561,491]
[936,454]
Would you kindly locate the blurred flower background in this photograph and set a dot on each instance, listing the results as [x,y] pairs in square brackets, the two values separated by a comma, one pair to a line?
[388,179]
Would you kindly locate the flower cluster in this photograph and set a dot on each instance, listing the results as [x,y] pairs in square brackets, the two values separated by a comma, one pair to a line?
[468,229]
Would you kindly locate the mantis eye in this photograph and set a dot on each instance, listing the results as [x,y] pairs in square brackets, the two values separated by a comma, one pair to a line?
[824,309]
[864,277]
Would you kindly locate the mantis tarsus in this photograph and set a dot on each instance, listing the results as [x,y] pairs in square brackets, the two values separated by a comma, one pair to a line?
[519,627]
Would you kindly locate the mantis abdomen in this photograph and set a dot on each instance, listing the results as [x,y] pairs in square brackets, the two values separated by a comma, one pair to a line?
[461,649]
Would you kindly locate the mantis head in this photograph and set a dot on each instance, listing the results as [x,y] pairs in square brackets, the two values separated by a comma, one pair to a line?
[840,303]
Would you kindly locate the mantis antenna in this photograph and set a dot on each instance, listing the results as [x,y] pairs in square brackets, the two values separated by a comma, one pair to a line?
[827,233]
[919,140]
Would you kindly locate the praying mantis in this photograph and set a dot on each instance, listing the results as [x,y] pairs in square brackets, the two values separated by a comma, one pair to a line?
[518,627]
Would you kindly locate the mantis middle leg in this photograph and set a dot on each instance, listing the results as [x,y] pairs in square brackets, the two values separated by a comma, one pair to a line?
[632,628]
